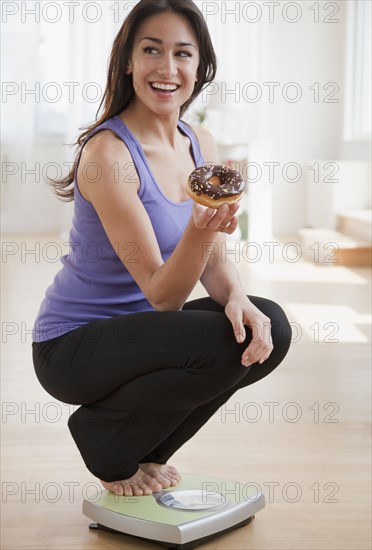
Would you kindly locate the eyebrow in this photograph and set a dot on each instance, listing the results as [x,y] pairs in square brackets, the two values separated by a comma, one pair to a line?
[159,41]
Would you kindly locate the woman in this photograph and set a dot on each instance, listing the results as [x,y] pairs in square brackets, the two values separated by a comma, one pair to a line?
[115,333]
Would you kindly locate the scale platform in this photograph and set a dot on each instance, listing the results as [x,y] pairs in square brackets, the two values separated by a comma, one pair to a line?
[180,518]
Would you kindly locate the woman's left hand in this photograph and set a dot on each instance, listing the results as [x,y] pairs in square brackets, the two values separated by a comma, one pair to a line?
[222,219]
[240,311]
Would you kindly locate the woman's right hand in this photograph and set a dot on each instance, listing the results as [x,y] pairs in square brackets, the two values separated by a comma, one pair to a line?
[222,219]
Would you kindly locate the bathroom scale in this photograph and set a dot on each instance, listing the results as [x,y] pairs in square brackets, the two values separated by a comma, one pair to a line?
[197,509]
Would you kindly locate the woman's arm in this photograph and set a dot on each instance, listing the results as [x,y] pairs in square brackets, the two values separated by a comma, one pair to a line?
[166,285]
[221,280]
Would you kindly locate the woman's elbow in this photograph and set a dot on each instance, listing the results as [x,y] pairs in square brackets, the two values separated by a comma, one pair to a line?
[166,304]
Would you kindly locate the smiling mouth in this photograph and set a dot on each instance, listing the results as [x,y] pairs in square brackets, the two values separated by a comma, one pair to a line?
[160,87]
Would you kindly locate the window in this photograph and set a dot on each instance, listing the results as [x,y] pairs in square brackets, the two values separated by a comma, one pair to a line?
[358,71]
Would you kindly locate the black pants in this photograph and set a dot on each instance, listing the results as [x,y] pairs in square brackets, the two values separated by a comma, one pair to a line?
[147,382]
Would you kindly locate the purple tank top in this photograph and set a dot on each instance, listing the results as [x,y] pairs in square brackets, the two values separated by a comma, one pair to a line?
[93,283]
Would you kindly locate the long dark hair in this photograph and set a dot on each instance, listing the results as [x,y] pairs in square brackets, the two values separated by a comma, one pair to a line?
[119,90]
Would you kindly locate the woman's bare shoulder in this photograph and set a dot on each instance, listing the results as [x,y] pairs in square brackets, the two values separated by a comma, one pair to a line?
[106,155]
[105,143]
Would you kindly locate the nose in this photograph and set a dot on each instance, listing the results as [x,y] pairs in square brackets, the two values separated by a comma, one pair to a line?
[167,68]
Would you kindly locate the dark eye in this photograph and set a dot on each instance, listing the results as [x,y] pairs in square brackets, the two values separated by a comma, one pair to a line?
[184,54]
[150,49]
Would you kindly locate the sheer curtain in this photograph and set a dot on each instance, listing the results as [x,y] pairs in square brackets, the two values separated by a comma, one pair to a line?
[53,62]
[239,54]
[19,50]
[89,51]
[19,53]
[358,72]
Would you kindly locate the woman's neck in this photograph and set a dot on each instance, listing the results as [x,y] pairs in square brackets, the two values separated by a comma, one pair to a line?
[151,128]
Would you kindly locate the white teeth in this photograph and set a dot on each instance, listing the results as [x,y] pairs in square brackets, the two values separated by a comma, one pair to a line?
[167,87]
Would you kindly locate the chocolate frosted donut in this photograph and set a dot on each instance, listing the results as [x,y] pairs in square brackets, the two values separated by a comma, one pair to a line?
[214,184]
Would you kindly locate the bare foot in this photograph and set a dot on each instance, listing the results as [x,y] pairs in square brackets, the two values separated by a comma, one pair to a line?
[166,475]
[139,484]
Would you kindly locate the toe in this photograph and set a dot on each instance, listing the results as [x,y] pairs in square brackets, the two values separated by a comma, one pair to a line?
[156,485]
[153,483]
[173,474]
[172,477]
[137,491]
[146,489]
[118,489]
[164,481]
[128,491]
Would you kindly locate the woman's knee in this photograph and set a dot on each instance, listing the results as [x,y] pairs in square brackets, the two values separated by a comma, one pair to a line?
[281,330]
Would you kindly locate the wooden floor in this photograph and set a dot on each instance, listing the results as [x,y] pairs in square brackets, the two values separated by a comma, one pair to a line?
[302,435]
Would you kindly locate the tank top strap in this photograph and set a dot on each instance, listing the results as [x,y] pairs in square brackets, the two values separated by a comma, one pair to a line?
[195,146]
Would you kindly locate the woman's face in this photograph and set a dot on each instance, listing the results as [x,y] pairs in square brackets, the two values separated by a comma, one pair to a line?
[164,62]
